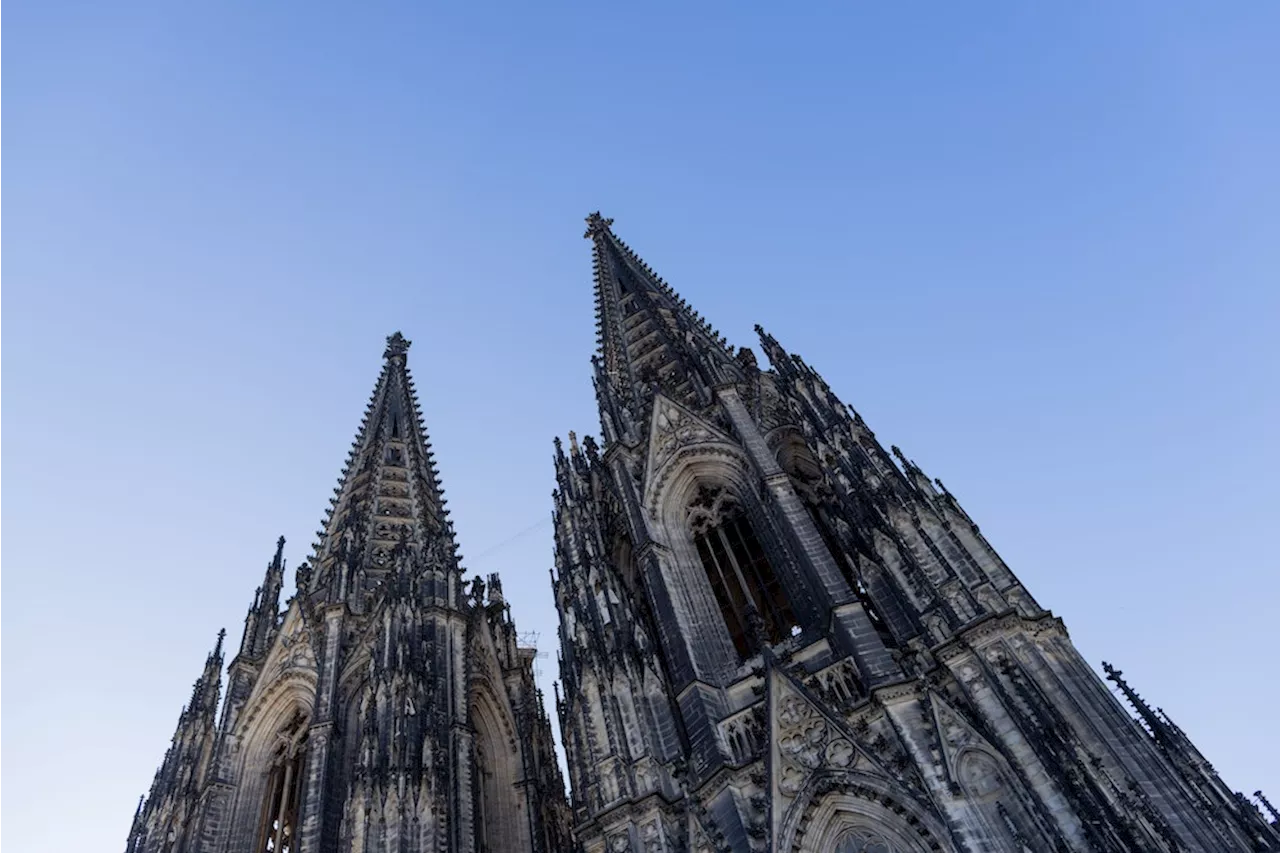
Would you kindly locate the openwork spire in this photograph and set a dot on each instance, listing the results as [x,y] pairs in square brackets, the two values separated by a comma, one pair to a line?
[648,338]
[388,510]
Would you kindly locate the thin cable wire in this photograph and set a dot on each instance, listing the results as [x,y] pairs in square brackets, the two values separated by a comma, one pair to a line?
[512,538]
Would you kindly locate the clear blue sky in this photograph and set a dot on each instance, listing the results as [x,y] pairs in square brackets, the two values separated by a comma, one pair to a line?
[1035,244]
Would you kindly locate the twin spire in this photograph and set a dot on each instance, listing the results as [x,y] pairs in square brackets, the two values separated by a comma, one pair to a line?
[388,511]
[648,338]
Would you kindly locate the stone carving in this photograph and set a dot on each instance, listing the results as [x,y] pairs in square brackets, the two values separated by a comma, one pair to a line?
[774,410]
[979,775]
[295,646]
[865,841]
[651,835]
[674,428]
[429,714]
[807,742]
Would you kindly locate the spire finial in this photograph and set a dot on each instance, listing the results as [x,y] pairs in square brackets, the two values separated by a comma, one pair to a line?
[1275,815]
[397,344]
[597,224]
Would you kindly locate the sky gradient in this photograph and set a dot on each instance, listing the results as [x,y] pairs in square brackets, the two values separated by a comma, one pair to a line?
[1037,248]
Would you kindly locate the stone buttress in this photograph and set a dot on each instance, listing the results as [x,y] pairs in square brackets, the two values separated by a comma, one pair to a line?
[778,636]
[387,705]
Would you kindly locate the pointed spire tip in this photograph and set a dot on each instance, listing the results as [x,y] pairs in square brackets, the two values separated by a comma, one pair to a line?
[397,344]
[597,224]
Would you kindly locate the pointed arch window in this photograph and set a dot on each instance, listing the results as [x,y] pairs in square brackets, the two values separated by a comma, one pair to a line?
[738,569]
[280,809]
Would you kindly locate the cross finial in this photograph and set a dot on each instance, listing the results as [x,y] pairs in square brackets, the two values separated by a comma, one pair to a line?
[597,224]
[397,344]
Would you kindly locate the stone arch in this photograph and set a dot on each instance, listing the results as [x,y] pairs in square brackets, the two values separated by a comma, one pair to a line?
[712,462]
[979,775]
[993,793]
[684,582]
[715,517]
[501,821]
[622,554]
[277,720]
[796,457]
[841,808]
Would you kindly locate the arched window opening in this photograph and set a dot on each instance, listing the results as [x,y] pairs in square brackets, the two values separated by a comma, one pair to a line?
[741,577]
[497,796]
[278,833]
[624,560]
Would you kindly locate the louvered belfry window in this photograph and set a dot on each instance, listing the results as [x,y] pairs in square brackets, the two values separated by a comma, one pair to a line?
[740,574]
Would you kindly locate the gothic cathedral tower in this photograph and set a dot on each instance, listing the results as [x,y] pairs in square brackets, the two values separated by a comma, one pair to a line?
[774,637]
[388,707]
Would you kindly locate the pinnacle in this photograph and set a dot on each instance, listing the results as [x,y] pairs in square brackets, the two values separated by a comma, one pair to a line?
[217,649]
[397,345]
[597,224]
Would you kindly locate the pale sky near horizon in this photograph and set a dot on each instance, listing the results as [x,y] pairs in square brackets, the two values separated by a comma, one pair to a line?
[1036,247]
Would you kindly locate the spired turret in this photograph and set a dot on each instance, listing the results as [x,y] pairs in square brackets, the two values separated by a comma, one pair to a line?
[168,817]
[384,707]
[262,620]
[778,635]
[617,709]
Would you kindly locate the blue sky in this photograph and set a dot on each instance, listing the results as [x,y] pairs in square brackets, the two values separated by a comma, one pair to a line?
[1037,248]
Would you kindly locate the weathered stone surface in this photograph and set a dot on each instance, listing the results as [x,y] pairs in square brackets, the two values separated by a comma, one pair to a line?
[774,636]
[389,706]
[923,700]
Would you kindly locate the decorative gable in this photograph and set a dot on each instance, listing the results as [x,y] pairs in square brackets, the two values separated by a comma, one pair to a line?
[673,429]
[806,741]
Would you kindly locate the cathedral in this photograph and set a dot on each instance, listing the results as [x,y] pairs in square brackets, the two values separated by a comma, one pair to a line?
[389,706]
[774,636]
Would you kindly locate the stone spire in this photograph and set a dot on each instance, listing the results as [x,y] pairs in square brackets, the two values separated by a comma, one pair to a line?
[648,338]
[176,788]
[1153,722]
[389,502]
[260,623]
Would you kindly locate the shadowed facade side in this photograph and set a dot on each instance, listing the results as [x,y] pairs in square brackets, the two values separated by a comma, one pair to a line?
[775,637]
